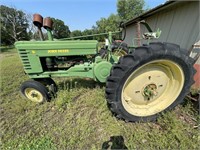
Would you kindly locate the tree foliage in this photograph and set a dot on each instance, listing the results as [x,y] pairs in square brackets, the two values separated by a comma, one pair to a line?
[104,25]
[60,30]
[128,9]
[14,25]
[108,24]
[76,33]
[88,32]
[17,25]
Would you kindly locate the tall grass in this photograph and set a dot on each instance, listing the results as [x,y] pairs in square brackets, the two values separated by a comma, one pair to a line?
[79,118]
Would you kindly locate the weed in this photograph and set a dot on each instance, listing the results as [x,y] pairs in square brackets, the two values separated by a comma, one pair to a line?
[80,119]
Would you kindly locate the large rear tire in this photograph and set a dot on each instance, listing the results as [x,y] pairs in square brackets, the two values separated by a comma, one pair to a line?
[153,79]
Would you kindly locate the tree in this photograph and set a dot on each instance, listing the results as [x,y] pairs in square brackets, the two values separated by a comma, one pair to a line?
[104,25]
[60,30]
[76,33]
[88,32]
[14,25]
[32,29]
[128,9]
[108,24]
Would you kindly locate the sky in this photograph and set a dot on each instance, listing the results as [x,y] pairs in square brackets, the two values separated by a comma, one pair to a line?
[77,14]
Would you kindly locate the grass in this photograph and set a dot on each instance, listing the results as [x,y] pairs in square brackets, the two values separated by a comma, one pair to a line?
[79,118]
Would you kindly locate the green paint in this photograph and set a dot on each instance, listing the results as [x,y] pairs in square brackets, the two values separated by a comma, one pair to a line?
[102,70]
[37,54]
[49,33]
[58,58]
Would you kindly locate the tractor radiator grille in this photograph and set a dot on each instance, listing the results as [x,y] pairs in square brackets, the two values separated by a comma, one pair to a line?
[24,57]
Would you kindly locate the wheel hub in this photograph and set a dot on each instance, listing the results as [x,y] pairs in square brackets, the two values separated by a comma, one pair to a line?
[33,95]
[150,90]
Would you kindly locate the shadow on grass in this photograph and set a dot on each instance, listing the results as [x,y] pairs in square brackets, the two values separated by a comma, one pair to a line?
[115,142]
[70,84]
[193,99]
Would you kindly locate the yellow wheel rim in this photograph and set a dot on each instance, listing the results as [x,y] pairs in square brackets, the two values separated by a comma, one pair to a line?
[33,95]
[152,88]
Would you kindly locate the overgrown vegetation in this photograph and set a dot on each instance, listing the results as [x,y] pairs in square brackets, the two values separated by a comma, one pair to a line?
[79,118]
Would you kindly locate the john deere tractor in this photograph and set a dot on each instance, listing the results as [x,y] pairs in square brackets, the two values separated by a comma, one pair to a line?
[141,82]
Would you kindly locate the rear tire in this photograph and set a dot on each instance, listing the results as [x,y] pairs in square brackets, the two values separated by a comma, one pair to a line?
[153,79]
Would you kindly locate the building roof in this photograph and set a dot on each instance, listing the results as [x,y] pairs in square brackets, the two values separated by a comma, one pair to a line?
[152,11]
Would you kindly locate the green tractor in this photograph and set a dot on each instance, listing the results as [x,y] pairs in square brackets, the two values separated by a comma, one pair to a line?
[141,82]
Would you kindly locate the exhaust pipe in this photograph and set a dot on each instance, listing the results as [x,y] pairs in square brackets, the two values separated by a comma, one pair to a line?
[48,25]
[38,22]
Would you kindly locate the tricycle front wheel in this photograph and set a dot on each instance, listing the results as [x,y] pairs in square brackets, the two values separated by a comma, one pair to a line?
[35,91]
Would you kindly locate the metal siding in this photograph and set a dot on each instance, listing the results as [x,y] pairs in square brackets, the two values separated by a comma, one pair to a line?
[130,34]
[193,34]
[179,24]
[182,29]
[164,24]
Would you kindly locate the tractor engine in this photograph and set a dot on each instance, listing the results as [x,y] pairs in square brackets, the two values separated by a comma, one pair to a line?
[61,62]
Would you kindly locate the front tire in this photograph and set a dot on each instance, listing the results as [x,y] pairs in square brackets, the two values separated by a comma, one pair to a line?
[35,91]
[153,79]
[48,82]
